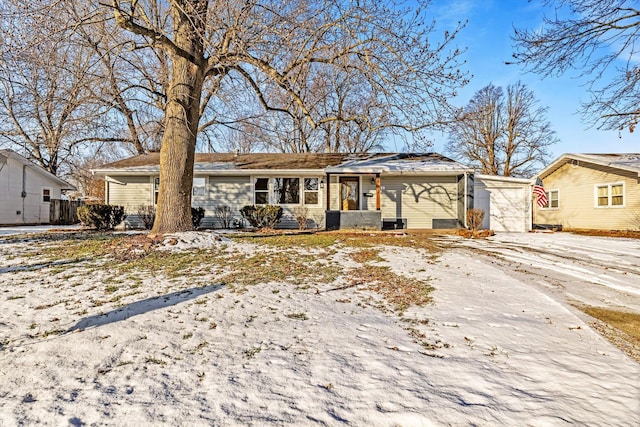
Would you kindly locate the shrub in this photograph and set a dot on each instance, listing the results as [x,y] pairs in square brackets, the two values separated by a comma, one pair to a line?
[101,217]
[474,219]
[147,214]
[223,215]
[196,216]
[262,216]
[301,213]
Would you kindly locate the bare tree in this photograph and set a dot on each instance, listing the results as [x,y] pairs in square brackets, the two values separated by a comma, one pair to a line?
[597,38]
[209,42]
[502,134]
[46,109]
[70,87]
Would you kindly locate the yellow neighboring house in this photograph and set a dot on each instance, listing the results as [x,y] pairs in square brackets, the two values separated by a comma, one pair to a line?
[591,191]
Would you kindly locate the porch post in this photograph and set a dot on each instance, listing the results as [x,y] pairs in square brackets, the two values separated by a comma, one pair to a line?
[377,191]
[328,191]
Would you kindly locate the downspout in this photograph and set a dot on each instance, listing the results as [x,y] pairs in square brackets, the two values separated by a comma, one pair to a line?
[531,207]
[466,200]
[24,189]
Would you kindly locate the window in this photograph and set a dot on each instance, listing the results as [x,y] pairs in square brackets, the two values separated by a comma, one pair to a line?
[286,190]
[261,191]
[156,187]
[617,195]
[199,187]
[311,191]
[553,200]
[609,195]
[46,195]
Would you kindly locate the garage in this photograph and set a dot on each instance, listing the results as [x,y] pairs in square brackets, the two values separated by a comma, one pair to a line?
[506,202]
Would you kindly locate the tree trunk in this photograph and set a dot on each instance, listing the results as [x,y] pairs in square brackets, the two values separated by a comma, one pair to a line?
[177,152]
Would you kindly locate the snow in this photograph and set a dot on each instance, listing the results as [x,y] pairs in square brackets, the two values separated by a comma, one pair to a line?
[27,229]
[503,346]
[191,240]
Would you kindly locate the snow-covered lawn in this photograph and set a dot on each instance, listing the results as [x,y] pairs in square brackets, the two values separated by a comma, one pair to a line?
[27,229]
[218,331]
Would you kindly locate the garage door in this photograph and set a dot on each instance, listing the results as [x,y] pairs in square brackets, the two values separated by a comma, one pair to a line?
[509,210]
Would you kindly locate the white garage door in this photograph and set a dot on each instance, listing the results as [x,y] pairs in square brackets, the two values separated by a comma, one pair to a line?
[508,209]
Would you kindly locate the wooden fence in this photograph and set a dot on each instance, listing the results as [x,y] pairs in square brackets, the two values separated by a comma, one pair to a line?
[64,212]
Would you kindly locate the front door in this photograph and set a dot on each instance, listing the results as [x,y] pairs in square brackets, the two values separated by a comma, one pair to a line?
[349,191]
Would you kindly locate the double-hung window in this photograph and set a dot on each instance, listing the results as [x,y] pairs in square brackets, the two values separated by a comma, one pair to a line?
[46,195]
[156,188]
[199,187]
[609,195]
[553,199]
[311,191]
[261,191]
[286,191]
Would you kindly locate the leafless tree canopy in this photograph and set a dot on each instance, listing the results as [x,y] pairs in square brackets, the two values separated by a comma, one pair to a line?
[502,134]
[70,86]
[282,75]
[277,50]
[596,38]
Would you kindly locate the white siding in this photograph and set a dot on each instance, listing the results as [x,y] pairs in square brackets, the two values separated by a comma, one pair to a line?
[15,209]
[506,203]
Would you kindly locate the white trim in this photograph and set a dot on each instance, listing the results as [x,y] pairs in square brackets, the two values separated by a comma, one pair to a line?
[302,193]
[581,158]
[42,194]
[204,186]
[268,190]
[153,178]
[550,208]
[610,195]
[273,191]
[155,170]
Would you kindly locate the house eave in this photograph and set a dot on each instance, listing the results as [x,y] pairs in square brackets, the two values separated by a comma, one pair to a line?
[570,157]
[210,172]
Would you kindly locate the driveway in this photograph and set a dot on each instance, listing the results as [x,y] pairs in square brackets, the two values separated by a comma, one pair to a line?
[30,229]
[576,269]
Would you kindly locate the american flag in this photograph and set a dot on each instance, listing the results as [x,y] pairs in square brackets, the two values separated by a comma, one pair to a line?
[538,190]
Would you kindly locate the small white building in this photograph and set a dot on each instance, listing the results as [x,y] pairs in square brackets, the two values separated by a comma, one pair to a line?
[506,202]
[26,190]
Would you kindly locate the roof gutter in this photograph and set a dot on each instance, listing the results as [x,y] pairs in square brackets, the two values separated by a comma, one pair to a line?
[226,172]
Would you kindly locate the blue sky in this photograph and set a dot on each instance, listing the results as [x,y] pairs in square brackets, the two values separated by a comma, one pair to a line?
[487,38]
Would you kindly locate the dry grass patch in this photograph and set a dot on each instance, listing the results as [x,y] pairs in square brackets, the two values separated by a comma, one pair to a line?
[366,255]
[401,292]
[629,323]
[620,327]
[326,239]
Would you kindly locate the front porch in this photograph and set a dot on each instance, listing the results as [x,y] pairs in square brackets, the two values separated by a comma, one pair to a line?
[404,191]
[353,200]
[370,220]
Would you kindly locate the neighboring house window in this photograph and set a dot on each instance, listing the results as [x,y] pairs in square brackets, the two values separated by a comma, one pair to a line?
[311,191]
[286,190]
[46,195]
[609,195]
[199,187]
[156,187]
[553,200]
[261,191]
